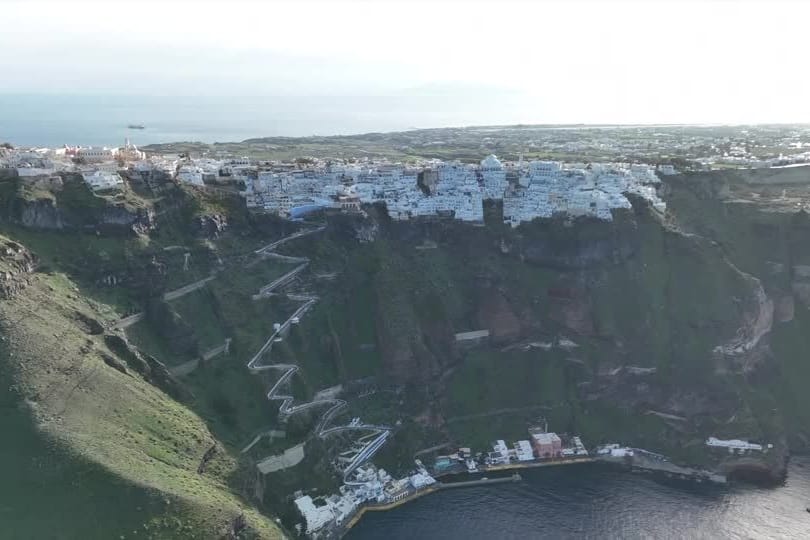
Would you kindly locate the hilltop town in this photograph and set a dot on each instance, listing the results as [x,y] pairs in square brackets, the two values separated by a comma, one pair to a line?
[542,171]
[431,188]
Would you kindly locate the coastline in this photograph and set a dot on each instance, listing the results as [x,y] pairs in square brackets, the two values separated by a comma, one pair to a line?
[439,486]
[643,462]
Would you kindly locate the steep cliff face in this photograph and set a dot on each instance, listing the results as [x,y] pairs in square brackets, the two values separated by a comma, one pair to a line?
[760,224]
[40,214]
[656,332]
[74,206]
[641,327]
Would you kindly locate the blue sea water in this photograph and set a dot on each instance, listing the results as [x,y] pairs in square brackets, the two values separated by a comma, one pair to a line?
[596,502]
[54,120]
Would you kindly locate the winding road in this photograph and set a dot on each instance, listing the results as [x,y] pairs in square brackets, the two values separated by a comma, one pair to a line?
[375,435]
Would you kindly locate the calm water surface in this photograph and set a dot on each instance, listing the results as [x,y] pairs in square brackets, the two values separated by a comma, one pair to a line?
[54,120]
[592,501]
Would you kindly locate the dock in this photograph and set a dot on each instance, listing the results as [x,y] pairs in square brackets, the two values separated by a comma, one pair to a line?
[647,462]
[481,482]
[517,465]
[438,486]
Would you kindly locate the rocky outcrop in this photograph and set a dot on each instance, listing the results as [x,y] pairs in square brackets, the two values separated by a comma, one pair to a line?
[45,213]
[16,266]
[210,226]
[40,214]
[147,366]
[139,221]
[746,350]
[768,469]
[583,244]
[68,203]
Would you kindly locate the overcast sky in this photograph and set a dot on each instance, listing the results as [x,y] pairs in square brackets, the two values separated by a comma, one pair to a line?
[577,61]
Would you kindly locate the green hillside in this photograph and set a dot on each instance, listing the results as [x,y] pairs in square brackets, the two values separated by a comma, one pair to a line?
[651,331]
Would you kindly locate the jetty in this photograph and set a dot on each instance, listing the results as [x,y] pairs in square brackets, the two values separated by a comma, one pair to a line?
[480,482]
[517,465]
[648,462]
[433,488]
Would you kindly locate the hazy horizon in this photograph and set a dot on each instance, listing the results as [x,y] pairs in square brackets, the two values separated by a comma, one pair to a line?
[546,62]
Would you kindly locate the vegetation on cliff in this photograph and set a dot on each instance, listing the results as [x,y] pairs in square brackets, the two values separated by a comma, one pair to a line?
[654,332]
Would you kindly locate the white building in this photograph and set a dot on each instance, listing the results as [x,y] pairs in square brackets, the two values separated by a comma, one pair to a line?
[190,174]
[421,480]
[316,517]
[734,445]
[130,152]
[96,154]
[99,180]
[24,172]
[500,452]
[523,451]
[545,189]
[614,450]
[667,169]
[494,177]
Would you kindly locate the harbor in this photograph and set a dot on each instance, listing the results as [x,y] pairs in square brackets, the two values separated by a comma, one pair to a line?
[427,491]
[370,489]
[600,501]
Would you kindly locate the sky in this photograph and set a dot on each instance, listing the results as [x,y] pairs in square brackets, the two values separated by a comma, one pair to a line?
[653,61]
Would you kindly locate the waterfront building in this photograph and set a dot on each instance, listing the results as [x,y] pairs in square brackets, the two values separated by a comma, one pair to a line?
[315,517]
[579,448]
[614,450]
[546,445]
[421,479]
[734,445]
[500,453]
[443,463]
[524,451]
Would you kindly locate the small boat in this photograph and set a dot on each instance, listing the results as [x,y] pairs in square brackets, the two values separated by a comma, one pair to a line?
[136,126]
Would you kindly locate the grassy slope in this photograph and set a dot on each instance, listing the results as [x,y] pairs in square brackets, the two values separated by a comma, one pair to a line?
[110,451]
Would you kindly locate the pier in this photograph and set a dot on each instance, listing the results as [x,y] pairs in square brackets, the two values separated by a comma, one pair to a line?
[481,482]
[438,486]
[483,469]
[648,462]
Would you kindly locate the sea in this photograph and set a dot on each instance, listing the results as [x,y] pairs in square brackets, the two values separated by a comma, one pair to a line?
[51,120]
[595,501]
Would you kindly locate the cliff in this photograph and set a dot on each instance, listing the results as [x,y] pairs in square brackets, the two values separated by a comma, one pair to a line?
[657,332]
[71,205]
[653,331]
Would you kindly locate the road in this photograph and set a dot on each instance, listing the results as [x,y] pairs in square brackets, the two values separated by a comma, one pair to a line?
[262,361]
[182,291]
